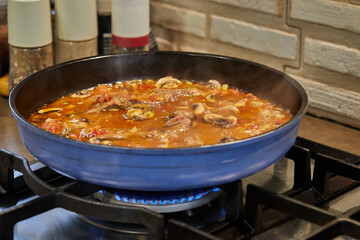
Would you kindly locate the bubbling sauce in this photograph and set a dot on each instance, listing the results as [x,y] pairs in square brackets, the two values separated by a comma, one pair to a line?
[163,113]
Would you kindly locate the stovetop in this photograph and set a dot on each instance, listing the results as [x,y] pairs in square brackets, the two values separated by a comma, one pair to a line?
[311,193]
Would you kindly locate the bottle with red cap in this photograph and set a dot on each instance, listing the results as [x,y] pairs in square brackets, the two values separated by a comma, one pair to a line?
[130,25]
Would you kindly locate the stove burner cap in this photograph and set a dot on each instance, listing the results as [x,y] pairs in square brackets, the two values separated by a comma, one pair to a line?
[161,202]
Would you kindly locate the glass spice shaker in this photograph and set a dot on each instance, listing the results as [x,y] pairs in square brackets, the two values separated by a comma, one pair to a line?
[30,38]
[130,25]
[4,46]
[75,29]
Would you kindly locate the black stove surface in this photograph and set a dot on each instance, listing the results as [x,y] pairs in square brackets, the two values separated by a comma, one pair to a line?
[293,199]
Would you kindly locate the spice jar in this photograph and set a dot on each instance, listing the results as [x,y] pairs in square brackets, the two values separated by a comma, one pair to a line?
[4,47]
[130,25]
[76,29]
[30,38]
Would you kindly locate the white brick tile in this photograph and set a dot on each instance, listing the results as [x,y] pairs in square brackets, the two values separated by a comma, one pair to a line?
[332,56]
[178,19]
[267,6]
[258,38]
[331,99]
[330,13]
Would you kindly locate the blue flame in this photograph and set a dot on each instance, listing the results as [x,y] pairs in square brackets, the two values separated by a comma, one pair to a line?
[215,189]
[161,198]
[118,197]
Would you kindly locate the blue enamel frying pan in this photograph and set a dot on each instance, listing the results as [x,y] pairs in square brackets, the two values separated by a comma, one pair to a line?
[157,169]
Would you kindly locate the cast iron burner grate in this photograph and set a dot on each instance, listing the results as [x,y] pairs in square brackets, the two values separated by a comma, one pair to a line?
[335,173]
[160,202]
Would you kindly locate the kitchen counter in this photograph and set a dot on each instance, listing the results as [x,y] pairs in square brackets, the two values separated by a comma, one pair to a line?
[9,135]
[312,128]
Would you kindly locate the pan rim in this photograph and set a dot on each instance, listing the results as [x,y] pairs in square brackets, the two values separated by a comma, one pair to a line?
[157,151]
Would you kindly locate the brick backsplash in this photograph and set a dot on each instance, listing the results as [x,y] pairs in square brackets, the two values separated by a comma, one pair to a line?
[337,14]
[266,40]
[267,6]
[332,56]
[182,20]
[317,42]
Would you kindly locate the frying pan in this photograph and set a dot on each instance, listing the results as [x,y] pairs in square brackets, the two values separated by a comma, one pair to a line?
[157,169]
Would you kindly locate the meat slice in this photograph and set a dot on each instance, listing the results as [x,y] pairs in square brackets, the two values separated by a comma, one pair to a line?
[181,120]
[117,102]
[171,95]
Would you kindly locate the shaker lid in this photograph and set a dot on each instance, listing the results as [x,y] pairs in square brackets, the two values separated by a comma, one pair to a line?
[75,20]
[103,7]
[29,23]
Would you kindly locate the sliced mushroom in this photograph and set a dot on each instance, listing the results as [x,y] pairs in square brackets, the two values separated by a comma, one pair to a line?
[227,109]
[211,98]
[215,84]
[118,84]
[198,108]
[139,112]
[219,120]
[228,139]
[256,103]
[49,110]
[81,94]
[134,83]
[241,103]
[114,107]
[168,82]
[224,87]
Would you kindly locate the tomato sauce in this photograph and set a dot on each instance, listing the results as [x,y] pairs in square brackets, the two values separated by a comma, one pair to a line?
[164,113]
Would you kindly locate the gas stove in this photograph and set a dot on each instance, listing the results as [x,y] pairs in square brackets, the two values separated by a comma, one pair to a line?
[311,193]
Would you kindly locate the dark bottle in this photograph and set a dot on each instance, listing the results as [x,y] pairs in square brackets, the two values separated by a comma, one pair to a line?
[104,26]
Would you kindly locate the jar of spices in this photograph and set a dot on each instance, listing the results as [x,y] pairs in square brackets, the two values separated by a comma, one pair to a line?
[30,38]
[76,29]
[4,47]
[130,25]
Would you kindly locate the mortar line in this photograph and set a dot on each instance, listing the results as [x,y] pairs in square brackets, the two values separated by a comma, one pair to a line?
[287,16]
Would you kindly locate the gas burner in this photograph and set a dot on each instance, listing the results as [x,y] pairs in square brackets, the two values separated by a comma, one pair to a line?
[199,208]
[160,202]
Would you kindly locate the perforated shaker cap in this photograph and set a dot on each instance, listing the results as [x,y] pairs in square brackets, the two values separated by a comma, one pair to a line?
[29,23]
[75,20]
